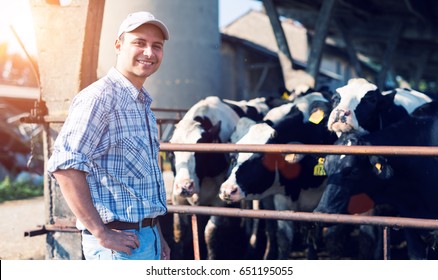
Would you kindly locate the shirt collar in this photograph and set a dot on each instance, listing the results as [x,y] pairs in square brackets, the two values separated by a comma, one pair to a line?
[141,95]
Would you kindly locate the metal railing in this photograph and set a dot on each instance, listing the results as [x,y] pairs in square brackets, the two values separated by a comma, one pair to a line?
[385,222]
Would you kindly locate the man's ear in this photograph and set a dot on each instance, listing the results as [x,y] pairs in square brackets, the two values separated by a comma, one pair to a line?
[118,45]
[381,167]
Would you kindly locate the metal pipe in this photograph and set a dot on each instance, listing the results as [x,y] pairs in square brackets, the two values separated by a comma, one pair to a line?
[392,222]
[44,229]
[196,253]
[61,119]
[386,243]
[304,149]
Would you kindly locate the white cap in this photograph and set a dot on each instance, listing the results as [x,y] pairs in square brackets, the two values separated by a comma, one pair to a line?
[134,20]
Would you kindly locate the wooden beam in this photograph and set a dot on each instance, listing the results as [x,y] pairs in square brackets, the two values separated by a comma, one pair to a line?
[322,26]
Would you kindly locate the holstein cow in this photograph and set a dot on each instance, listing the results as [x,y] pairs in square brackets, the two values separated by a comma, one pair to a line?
[290,179]
[407,183]
[360,106]
[198,175]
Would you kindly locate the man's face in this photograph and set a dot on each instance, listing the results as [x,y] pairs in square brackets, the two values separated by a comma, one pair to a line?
[140,53]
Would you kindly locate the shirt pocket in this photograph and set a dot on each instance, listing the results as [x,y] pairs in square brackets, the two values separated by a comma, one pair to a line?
[137,158]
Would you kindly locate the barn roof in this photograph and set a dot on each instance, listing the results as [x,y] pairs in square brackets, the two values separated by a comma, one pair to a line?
[372,26]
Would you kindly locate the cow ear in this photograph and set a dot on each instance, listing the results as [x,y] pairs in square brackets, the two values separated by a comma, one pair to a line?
[381,167]
[215,130]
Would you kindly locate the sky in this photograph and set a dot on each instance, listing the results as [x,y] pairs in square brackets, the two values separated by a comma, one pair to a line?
[16,13]
[229,10]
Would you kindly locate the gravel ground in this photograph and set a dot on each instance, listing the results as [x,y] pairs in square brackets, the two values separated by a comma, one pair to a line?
[17,217]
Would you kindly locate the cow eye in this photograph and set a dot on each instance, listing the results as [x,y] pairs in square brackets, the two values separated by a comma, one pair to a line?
[336,99]
[233,159]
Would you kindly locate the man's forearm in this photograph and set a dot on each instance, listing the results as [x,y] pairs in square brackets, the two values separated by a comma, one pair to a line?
[76,192]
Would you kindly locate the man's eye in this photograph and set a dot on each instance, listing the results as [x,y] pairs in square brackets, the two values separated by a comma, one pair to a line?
[158,47]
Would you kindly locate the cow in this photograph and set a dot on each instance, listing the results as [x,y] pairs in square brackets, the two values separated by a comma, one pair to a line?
[289,123]
[406,183]
[360,106]
[289,179]
[199,175]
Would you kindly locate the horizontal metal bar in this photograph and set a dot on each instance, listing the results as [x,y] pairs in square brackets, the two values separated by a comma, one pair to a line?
[392,222]
[61,119]
[303,149]
[44,229]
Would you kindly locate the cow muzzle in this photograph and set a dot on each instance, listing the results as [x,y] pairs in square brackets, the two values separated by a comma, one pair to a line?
[341,120]
[341,115]
[185,188]
[230,193]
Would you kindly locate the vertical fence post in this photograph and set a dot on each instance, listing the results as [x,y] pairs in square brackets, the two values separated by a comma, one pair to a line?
[195,237]
[386,243]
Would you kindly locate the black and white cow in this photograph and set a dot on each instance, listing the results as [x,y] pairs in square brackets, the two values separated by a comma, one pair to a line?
[407,183]
[360,106]
[290,179]
[198,175]
[253,175]
[210,120]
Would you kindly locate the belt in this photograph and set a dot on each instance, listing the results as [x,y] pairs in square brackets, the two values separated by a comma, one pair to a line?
[147,222]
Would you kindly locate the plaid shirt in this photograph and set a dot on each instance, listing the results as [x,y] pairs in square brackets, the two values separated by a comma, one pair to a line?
[112,135]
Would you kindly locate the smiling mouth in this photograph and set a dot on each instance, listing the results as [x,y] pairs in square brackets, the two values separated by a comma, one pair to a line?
[144,62]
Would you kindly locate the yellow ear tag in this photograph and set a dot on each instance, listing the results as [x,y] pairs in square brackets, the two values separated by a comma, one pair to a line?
[317,116]
[378,166]
[285,95]
[319,170]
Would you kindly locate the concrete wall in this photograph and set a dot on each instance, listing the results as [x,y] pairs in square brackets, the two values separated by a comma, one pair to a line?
[191,65]
[67,58]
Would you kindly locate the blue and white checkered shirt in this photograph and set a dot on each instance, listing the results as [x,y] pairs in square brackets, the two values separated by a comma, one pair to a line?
[112,135]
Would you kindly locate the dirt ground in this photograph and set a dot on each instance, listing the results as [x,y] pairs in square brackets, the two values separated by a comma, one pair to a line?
[18,217]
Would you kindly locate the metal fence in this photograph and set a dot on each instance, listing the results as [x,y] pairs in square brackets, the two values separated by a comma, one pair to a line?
[385,222]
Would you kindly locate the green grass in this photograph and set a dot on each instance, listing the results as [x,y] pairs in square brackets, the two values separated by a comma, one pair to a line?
[19,190]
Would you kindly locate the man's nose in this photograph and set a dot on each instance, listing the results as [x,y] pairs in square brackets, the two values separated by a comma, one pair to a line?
[147,51]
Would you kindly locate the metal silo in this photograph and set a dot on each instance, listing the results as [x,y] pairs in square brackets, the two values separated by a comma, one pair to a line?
[191,65]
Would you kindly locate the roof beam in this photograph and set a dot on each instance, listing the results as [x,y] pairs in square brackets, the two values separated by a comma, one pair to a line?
[391,46]
[293,79]
[322,26]
[352,54]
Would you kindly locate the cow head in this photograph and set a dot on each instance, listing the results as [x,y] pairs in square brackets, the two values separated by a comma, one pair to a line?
[350,175]
[254,174]
[191,167]
[355,108]
[245,163]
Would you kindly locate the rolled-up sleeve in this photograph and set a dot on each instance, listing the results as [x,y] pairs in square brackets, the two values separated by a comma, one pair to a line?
[82,136]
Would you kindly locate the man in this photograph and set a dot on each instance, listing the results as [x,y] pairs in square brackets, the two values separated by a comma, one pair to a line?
[105,158]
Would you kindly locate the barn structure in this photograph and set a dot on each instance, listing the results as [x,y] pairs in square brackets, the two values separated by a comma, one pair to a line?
[397,37]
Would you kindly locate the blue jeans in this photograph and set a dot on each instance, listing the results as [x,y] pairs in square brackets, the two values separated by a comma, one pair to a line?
[149,249]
